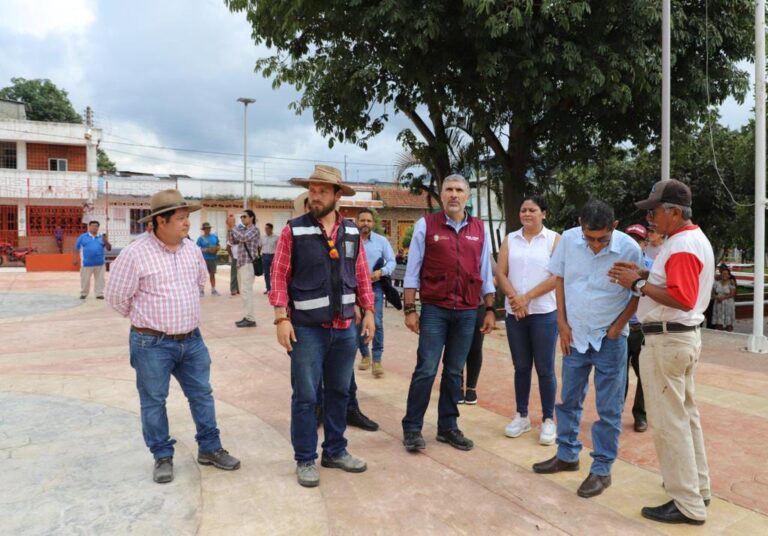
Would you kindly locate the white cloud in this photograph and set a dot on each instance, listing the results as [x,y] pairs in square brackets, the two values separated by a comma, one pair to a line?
[41,18]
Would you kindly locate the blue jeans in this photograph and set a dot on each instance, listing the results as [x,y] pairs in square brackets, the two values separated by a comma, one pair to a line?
[610,365]
[320,354]
[378,317]
[439,328]
[532,343]
[155,359]
[266,263]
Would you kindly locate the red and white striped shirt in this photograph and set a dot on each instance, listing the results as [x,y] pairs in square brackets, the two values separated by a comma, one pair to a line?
[281,275]
[158,288]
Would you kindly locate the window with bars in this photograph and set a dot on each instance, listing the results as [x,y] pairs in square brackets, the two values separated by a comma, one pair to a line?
[8,155]
[41,220]
[136,215]
[57,164]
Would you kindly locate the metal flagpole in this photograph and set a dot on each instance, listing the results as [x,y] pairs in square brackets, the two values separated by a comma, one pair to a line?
[246,102]
[757,342]
[666,41]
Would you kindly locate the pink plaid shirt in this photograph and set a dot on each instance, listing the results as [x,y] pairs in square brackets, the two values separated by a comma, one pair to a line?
[158,288]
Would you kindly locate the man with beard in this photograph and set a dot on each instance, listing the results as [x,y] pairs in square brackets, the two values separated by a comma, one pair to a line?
[319,274]
[381,260]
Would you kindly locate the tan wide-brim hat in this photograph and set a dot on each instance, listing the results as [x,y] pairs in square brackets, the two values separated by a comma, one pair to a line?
[326,175]
[167,200]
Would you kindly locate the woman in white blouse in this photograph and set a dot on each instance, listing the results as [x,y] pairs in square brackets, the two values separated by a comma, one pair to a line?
[523,275]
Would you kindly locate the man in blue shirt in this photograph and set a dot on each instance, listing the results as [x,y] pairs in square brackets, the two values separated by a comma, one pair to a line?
[381,261]
[89,254]
[592,316]
[209,243]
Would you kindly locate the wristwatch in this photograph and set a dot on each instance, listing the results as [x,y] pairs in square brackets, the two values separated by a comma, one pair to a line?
[638,285]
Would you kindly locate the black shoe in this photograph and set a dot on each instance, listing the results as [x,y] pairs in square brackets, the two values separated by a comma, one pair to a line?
[82,297]
[356,418]
[414,441]
[163,472]
[593,485]
[245,323]
[555,465]
[470,397]
[456,439]
[99,297]
[641,425]
[219,458]
[668,513]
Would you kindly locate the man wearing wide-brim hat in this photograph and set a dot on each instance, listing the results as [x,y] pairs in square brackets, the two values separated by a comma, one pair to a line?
[156,281]
[319,274]
[674,295]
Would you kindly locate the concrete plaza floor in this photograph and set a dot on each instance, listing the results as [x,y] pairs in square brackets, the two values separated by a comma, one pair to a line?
[74,462]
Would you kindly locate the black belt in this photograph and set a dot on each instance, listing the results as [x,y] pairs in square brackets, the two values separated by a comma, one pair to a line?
[667,327]
[155,333]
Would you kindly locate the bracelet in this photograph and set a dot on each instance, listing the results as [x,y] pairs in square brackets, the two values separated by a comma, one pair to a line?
[281,319]
[409,308]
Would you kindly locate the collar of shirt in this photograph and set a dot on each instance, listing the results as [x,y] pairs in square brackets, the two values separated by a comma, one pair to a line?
[162,245]
[336,225]
[456,225]
[519,234]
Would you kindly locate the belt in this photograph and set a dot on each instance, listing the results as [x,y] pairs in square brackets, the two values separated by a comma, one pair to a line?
[155,333]
[667,327]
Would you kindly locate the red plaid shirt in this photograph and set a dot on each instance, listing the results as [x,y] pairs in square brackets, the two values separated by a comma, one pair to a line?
[281,275]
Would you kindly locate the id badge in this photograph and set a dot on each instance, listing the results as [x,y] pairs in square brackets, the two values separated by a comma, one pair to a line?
[349,249]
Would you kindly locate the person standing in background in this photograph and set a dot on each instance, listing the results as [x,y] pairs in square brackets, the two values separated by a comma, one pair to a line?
[89,254]
[248,239]
[209,244]
[58,235]
[268,246]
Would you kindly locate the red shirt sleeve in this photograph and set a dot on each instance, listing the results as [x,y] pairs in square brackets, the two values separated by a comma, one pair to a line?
[683,270]
[281,269]
[364,288]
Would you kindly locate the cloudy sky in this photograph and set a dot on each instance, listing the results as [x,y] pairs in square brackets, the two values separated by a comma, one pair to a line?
[168,73]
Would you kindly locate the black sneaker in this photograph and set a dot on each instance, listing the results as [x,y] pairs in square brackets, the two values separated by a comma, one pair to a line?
[356,418]
[470,397]
[414,441]
[163,472]
[82,297]
[245,323]
[219,458]
[456,439]
[99,297]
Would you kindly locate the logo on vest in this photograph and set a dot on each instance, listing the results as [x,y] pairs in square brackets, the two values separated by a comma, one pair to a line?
[437,238]
[475,238]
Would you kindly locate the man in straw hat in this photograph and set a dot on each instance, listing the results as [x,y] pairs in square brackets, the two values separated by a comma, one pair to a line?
[319,273]
[674,295]
[156,282]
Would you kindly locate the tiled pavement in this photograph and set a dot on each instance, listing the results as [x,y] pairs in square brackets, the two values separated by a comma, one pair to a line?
[74,462]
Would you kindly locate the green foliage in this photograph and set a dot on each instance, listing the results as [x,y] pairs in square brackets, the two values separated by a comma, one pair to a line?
[407,236]
[104,163]
[45,101]
[546,85]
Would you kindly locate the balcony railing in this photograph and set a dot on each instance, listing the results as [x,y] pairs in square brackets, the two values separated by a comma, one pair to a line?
[38,185]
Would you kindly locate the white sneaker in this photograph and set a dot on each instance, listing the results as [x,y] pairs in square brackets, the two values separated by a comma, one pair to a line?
[518,426]
[548,432]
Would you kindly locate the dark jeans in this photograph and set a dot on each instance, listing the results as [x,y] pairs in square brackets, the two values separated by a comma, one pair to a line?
[610,364]
[475,355]
[532,343]
[233,277]
[378,318]
[320,354]
[155,359]
[439,328]
[634,345]
[266,262]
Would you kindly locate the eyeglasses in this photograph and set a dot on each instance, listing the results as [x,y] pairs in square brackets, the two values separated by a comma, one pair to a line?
[242,217]
[602,240]
[650,214]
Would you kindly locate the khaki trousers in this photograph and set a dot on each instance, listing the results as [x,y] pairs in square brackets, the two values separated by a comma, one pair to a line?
[667,363]
[245,277]
[85,280]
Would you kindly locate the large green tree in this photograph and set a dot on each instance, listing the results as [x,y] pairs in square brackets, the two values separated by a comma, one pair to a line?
[565,77]
[45,101]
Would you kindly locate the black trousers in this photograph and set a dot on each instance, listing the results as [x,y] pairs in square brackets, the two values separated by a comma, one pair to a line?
[475,356]
[634,345]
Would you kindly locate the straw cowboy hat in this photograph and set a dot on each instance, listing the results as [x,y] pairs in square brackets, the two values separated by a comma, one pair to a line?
[167,200]
[326,175]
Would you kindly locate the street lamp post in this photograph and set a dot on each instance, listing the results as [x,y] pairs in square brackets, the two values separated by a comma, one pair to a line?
[246,102]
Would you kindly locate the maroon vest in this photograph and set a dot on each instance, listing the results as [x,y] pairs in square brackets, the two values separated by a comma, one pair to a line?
[450,271]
